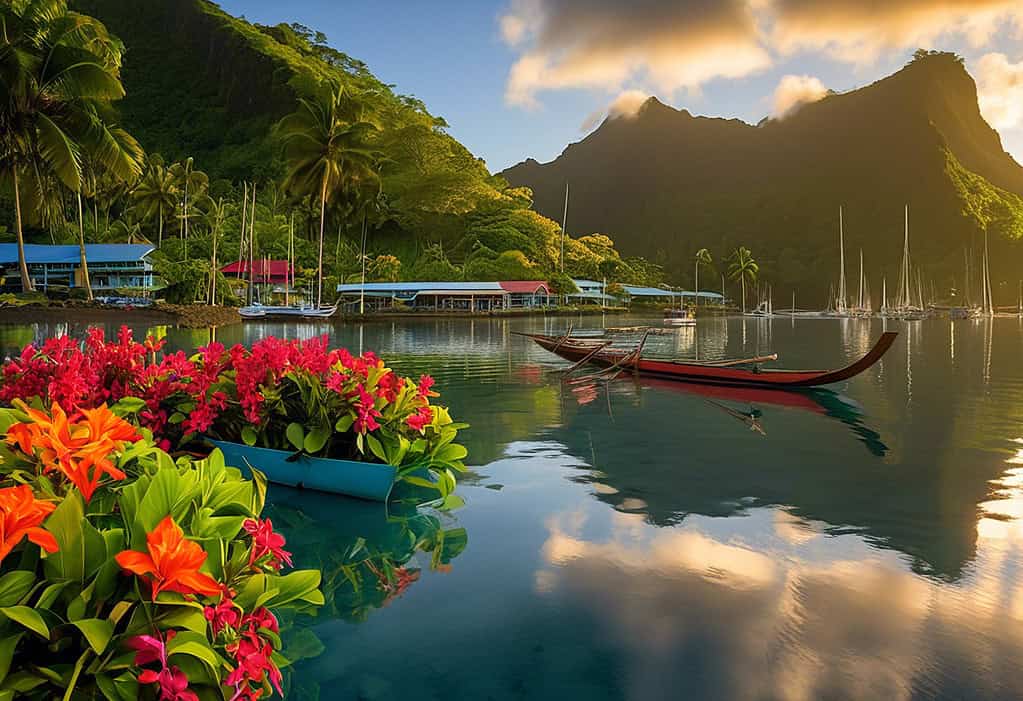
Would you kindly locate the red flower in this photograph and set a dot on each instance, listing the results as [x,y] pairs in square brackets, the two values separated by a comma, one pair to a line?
[223,615]
[425,387]
[20,517]
[173,682]
[366,413]
[172,563]
[421,419]
[266,543]
[252,655]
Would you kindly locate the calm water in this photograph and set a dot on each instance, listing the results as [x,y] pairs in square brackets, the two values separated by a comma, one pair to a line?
[646,543]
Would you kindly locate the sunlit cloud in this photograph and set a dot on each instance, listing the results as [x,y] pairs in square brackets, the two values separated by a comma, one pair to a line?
[1000,90]
[626,104]
[605,44]
[858,32]
[794,91]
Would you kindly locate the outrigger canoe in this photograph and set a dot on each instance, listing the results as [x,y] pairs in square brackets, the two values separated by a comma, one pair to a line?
[743,373]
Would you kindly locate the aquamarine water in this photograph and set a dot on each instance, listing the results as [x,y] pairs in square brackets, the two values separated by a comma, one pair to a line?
[648,542]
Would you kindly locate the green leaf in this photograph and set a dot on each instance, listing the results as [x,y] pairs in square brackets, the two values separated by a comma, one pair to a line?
[194,645]
[27,617]
[15,585]
[316,439]
[187,618]
[376,448]
[249,436]
[7,646]
[128,405]
[296,435]
[344,423]
[50,595]
[303,645]
[97,631]
[65,523]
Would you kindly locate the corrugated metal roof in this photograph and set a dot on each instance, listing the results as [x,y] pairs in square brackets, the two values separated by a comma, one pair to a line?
[525,286]
[414,287]
[94,252]
[587,283]
[276,268]
[637,291]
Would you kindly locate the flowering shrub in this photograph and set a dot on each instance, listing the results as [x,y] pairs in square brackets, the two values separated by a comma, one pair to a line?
[125,574]
[300,396]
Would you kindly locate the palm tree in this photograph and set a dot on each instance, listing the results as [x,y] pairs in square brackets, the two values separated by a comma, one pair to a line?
[58,69]
[703,257]
[742,267]
[216,214]
[192,184]
[156,195]
[324,139]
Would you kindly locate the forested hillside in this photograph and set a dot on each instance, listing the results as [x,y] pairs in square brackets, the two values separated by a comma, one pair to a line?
[665,184]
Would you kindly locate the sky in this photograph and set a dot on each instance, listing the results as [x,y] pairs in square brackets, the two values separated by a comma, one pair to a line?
[519,79]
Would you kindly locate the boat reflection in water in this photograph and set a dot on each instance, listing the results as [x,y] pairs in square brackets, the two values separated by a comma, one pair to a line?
[818,401]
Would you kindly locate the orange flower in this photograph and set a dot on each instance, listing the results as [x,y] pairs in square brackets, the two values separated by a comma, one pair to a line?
[80,449]
[20,516]
[172,562]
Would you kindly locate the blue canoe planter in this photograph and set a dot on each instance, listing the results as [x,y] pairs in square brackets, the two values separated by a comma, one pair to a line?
[365,480]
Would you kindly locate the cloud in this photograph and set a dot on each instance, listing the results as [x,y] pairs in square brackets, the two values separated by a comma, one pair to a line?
[1000,89]
[606,43]
[627,104]
[858,32]
[794,91]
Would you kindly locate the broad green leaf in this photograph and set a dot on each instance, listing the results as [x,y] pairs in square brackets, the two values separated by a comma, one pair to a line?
[344,423]
[376,448]
[303,645]
[27,617]
[194,645]
[7,646]
[249,436]
[97,631]
[316,439]
[128,405]
[189,619]
[15,585]
[65,523]
[50,595]
[296,435]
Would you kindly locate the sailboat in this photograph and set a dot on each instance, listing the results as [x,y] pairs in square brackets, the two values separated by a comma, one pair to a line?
[905,307]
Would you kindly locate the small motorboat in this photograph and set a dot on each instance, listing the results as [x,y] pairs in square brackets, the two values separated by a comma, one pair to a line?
[262,311]
[679,317]
[745,372]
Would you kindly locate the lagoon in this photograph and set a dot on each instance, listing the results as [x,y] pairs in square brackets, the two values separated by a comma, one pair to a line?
[645,543]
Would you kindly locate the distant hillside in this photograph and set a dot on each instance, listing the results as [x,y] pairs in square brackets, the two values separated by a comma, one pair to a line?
[665,183]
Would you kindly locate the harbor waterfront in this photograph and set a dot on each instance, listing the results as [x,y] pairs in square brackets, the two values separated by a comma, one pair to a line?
[645,543]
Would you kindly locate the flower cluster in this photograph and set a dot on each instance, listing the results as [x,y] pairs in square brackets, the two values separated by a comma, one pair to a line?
[238,394]
[156,520]
[79,447]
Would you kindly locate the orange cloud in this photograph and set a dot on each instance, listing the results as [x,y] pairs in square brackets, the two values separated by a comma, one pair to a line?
[794,91]
[1000,89]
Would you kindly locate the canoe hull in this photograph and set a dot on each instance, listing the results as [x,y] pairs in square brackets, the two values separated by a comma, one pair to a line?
[364,480]
[710,374]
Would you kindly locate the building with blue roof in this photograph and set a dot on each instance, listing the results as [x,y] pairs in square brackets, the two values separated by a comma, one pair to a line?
[660,293]
[460,296]
[112,266]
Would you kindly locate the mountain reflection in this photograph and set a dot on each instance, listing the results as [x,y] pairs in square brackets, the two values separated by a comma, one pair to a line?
[772,607]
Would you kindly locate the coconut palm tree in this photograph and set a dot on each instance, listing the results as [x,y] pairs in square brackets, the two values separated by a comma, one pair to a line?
[324,139]
[58,69]
[192,185]
[156,195]
[743,267]
[703,257]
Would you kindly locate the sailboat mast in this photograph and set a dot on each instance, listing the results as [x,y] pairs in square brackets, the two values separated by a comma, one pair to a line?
[564,224]
[904,283]
[860,301]
[840,304]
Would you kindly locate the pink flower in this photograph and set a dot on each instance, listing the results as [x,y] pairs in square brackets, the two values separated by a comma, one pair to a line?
[366,413]
[425,385]
[252,655]
[421,419]
[266,542]
[221,616]
[173,682]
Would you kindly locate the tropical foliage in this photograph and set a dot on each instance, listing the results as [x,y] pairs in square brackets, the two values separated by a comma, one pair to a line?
[125,574]
[300,396]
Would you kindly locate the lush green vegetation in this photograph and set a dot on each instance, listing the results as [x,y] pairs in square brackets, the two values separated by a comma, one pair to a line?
[255,132]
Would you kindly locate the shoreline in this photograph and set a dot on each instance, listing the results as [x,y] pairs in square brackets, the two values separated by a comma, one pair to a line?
[189,316]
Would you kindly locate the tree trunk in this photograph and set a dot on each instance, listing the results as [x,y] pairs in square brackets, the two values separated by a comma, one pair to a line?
[213,264]
[319,262]
[159,239]
[26,280]
[697,290]
[742,279]
[81,249]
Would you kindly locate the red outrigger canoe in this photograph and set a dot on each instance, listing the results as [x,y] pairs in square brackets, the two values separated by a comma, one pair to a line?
[726,372]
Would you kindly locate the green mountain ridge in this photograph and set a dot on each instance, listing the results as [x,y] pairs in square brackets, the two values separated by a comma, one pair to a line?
[665,183]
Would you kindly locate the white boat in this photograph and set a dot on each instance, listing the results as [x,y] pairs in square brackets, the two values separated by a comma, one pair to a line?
[261,311]
[679,317]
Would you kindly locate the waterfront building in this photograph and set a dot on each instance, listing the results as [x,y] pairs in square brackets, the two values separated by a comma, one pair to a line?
[458,296]
[112,267]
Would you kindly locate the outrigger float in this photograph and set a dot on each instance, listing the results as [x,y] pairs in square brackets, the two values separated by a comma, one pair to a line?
[746,372]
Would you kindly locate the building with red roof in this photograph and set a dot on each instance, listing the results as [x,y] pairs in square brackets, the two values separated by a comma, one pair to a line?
[264,272]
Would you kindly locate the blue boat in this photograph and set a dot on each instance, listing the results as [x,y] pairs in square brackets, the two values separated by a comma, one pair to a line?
[365,480]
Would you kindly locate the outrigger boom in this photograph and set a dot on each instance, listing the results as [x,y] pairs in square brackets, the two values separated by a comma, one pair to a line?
[717,372]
